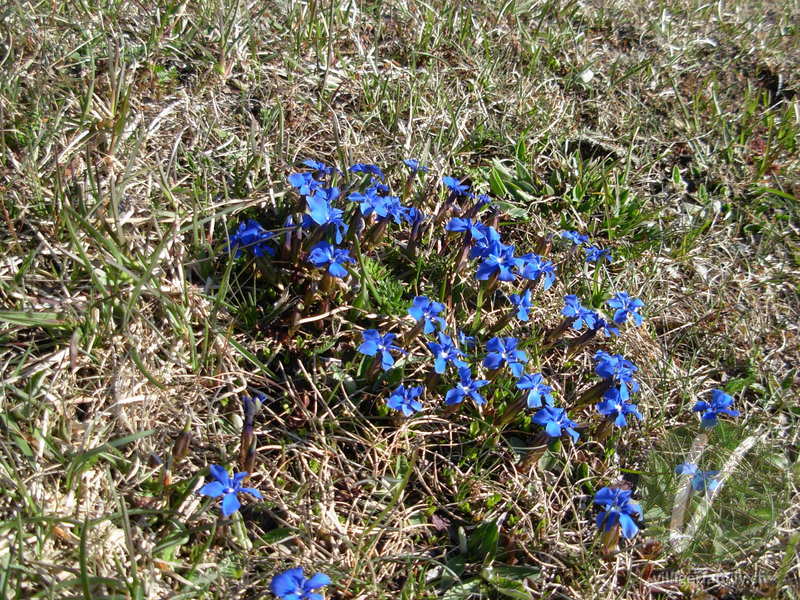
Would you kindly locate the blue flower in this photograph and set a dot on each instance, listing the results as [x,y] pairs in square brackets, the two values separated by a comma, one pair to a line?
[624,306]
[582,316]
[304,183]
[324,254]
[467,386]
[370,201]
[375,343]
[502,351]
[614,406]
[617,369]
[594,254]
[227,487]
[455,186]
[576,238]
[702,481]
[554,420]
[365,168]
[321,212]
[533,266]
[604,327]
[720,401]
[483,200]
[413,216]
[403,399]
[617,510]
[293,585]
[470,225]
[319,167]
[523,304]
[500,260]
[482,246]
[251,235]
[424,308]
[394,210]
[414,166]
[444,352]
[538,393]
[466,341]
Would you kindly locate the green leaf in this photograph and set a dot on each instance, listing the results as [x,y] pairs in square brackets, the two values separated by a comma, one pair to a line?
[482,544]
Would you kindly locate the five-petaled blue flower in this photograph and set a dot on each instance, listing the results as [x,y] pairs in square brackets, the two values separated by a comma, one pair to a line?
[702,481]
[617,369]
[319,167]
[293,585]
[594,254]
[252,236]
[467,386]
[581,316]
[626,306]
[375,343]
[554,420]
[613,406]
[444,352]
[720,401]
[538,393]
[321,212]
[414,166]
[482,246]
[365,168]
[403,399]
[413,216]
[304,182]
[455,186]
[227,487]
[576,238]
[502,351]
[324,254]
[533,266]
[426,309]
[523,304]
[470,225]
[498,260]
[370,201]
[617,510]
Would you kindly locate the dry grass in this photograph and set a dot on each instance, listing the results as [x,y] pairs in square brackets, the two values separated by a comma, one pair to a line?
[133,136]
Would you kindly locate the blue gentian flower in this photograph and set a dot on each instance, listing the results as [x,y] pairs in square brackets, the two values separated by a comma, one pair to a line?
[594,254]
[321,212]
[413,216]
[470,225]
[617,369]
[227,487]
[318,166]
[576,238]
[369,201]
[414,166]
[467,386]
[604,327]
[466,341]
[252,236]
[538,393]
[581,315]
[483,199]
[533,266]
[617,510]
[500,260]
[720,401]
[375,343]
[304,183]
[554,420]
[455,186]
[394,210]
[702,481]
[614,406]
[523,303]
[365,168]
[403,399]
[324,254]
[481,247]
[626,306]
[444,352]
[504,351]
[293,585]
[425,308]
